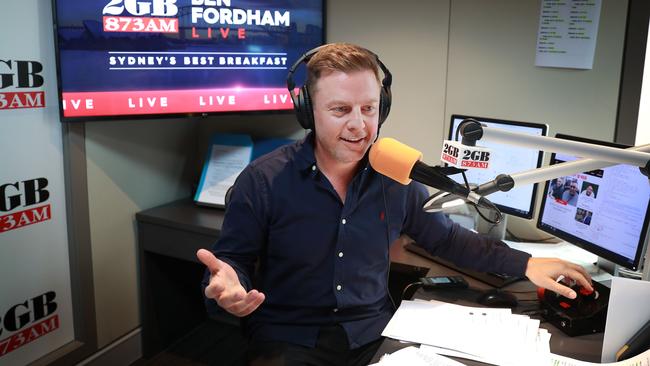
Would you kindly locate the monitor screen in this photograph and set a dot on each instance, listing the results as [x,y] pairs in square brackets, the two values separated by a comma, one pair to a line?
[506,159]
[125,58]
[604,211]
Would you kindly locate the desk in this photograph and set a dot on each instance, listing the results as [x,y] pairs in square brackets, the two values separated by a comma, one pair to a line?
[171,301]
[585,348]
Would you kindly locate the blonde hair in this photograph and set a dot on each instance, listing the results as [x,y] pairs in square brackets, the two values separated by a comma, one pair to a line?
[343,57]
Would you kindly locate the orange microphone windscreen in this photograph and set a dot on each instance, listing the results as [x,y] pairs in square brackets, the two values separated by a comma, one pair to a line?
[393,159]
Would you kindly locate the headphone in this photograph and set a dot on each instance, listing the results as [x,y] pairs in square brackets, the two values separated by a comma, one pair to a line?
[302,103]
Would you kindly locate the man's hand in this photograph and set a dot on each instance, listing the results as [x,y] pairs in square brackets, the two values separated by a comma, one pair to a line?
[225,287]
[544,272]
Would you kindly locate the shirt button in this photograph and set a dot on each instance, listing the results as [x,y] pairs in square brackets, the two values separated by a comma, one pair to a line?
[340,254]
[338,287]
[313,168]
[335,310]
[343,221]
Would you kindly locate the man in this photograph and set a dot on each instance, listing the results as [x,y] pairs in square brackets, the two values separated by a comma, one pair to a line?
[557,188]
[570,196]
[303,251]
[588,192]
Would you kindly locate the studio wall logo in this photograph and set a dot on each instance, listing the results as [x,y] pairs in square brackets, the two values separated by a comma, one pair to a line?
[142,16]
[23,196]
[21,76]
[28,321]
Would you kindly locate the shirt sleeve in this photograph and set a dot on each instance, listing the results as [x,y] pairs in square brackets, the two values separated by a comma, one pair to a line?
[244,229]
[441,237]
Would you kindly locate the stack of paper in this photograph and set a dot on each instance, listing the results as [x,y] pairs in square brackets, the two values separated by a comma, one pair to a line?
[413,356]
[488,335]
[428,356]
[642,359]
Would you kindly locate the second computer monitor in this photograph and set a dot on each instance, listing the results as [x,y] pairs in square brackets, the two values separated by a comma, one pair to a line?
[604,211]
[506,159]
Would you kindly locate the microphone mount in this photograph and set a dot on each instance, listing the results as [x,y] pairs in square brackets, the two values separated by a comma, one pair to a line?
[594,157]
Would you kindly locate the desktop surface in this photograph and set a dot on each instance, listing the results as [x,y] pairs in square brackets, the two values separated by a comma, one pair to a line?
[494,279]
[585,347]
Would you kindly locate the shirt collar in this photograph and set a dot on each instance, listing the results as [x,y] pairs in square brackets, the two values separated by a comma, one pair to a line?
[307,160]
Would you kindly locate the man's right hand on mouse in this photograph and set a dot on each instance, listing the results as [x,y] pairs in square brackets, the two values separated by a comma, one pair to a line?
[544,272]
[225,288]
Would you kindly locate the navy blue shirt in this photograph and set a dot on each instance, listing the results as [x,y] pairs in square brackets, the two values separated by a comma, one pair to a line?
[320,261]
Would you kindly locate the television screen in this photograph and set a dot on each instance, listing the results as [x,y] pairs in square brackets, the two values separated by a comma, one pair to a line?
[125,58]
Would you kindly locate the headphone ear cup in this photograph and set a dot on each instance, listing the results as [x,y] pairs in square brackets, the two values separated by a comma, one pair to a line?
[384,104]
[299,107]
[306,113]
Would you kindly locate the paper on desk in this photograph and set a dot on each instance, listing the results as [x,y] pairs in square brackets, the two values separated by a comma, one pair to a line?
[541,358]
[486,334]
[642,359]
[413,357]
[438,323]
[228,155]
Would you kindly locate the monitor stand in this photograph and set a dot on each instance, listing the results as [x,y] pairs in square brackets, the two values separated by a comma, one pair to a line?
[497,231]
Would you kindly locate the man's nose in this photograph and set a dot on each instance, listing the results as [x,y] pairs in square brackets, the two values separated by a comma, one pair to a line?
[356,119]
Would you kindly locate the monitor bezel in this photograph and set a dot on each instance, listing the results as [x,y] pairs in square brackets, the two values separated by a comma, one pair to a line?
[156,116]
[588,246]
[540,157]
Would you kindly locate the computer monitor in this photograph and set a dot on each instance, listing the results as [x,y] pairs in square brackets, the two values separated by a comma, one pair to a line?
[506,159]
[604,211]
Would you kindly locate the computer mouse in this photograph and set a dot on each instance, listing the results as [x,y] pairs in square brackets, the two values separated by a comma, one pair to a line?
[497,299]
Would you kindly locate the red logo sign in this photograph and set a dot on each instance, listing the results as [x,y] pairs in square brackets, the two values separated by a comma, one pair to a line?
[137,19]
[29,320]
[25,195]
[21,75]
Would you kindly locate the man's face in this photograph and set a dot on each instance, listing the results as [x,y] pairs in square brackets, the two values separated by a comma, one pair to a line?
[590,191]
[346,112]
[573,189]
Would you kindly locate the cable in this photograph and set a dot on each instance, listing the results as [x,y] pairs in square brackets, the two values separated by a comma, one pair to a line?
[522,292]
[492,206]
[409,286]
[386,215]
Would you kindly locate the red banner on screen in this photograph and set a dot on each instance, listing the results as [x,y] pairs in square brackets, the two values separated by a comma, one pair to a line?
[174,101]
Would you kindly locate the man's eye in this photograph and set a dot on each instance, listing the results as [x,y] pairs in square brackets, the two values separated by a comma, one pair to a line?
[339,110]
[369,108]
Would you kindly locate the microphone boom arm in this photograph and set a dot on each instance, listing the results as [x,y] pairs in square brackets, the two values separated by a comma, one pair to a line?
[472,131]
[504,182]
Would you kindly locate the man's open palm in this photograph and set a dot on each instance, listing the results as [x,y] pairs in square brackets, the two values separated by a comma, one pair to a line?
[225,288]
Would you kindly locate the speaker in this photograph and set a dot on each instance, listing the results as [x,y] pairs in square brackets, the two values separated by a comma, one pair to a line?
[302,103]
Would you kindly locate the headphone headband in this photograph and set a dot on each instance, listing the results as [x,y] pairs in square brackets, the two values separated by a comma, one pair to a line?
[302,104]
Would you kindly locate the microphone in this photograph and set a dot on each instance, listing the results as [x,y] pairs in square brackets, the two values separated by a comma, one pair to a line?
[402,164]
